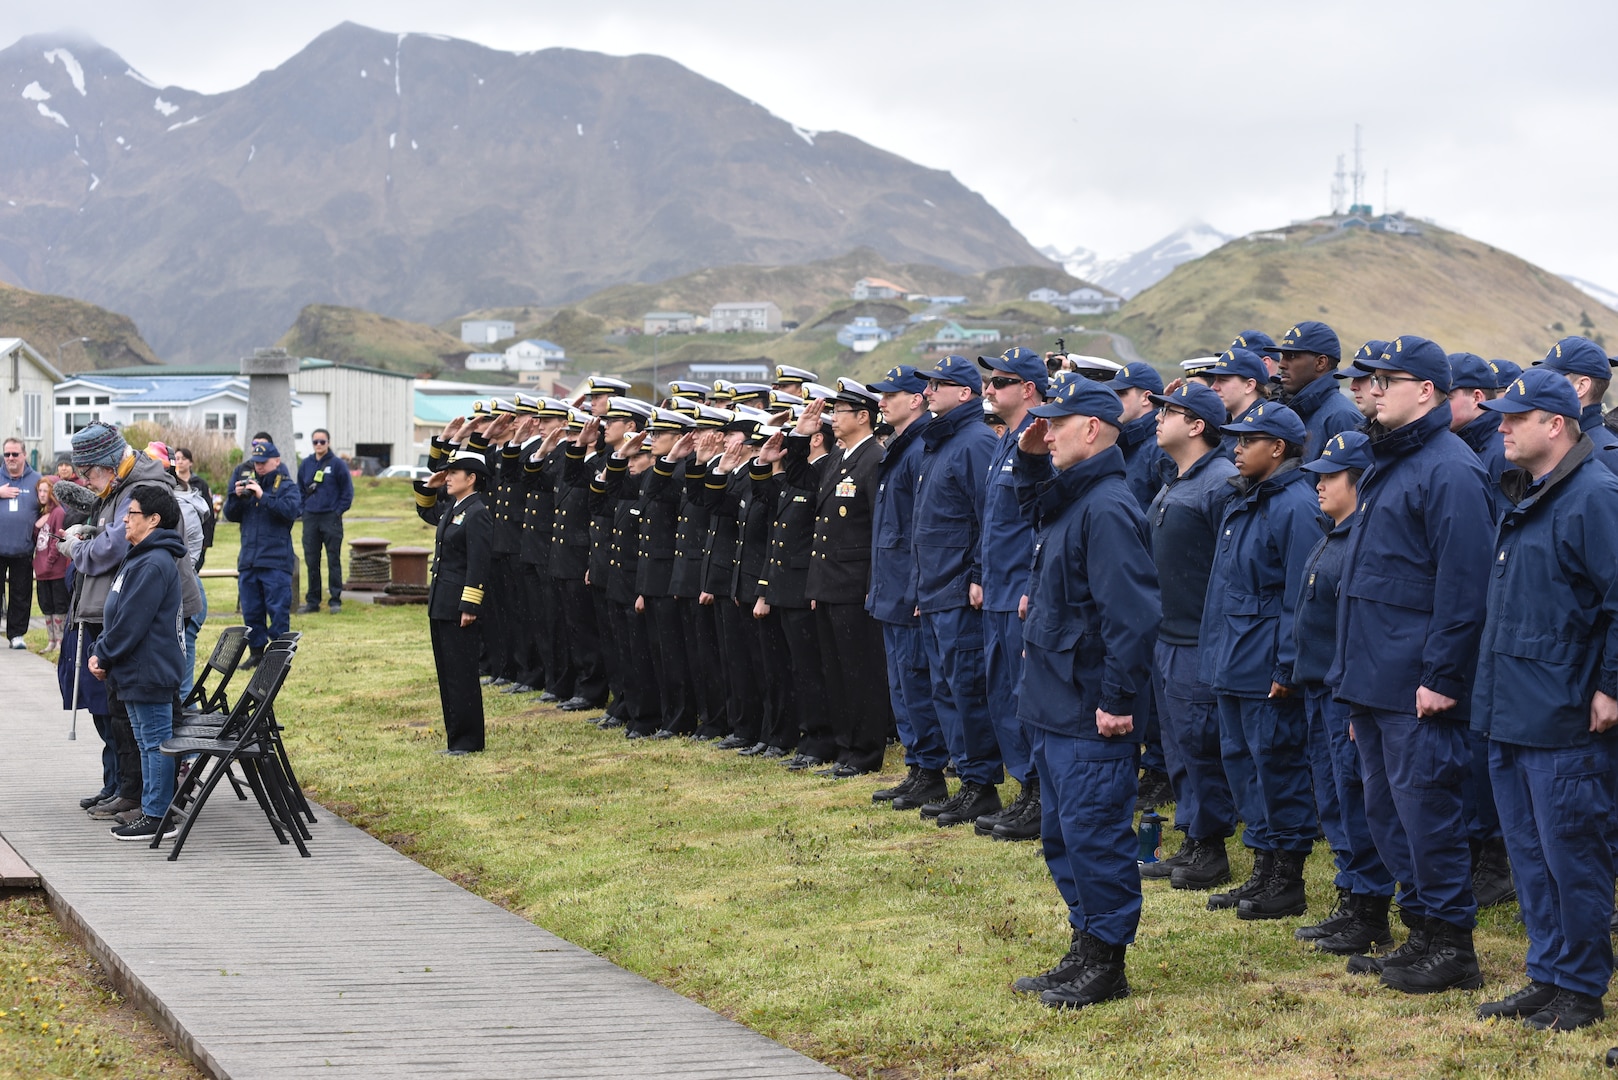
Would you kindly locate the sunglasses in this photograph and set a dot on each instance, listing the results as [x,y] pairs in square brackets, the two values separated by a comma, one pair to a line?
[319,442]
[1000,382]
[12,453]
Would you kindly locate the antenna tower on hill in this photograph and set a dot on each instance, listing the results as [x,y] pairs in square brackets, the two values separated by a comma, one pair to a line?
[1359,205]
[1339,188]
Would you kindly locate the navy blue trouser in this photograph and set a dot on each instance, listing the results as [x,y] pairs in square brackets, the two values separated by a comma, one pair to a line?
[910,688]
[1556,808]
[266,597]
[323,533]
[1340,796]
[1413,771]
[954,641]
[1264,742]
[1153,754]
[1203,805]
[1002,650]
[1088,808]
[1477,792]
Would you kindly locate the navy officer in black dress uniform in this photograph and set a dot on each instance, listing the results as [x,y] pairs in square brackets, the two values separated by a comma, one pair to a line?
[452,499]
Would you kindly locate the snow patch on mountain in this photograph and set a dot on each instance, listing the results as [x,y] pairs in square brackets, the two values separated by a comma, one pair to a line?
[1129,274]
[74,70]
[1595,292]
[35,92]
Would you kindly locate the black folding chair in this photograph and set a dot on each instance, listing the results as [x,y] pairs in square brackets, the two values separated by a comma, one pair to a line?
[222,663]
[242,741]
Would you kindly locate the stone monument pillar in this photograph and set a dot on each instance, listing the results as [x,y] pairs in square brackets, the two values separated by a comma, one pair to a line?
[269,399]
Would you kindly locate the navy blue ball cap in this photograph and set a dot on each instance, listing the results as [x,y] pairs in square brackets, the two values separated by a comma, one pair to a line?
[1137,375]
[904,379]
[1243,362]
[1254,341]
[1578,356]
[1348,450]
[1424,359]
[1269,418]
[1199,399]
[1026,364]
[1538,388]
[1311,337]
[1469,371]
[263,450]
[1082,397]
[1505,372]
[958,370]
[1356,367]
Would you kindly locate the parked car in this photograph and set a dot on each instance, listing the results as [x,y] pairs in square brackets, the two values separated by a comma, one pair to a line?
[405,470]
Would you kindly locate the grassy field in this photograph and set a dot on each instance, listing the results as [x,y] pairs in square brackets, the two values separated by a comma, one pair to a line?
[863,937]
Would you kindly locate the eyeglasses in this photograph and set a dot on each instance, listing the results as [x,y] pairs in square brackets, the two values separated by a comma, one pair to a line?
[1000,382]
[134,513]
[1382,382]
[1188,417]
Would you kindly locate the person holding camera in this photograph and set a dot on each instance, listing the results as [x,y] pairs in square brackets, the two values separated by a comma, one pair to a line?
[265,503]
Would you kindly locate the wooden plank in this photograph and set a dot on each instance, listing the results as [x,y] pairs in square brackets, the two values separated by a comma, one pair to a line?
[15,873]
[356,960]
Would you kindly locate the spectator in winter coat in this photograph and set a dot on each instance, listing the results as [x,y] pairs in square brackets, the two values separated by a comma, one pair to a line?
[19,507]
[50,565]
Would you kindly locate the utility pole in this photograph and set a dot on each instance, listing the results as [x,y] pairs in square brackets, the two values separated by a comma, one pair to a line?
[1359,169]
[1339,187]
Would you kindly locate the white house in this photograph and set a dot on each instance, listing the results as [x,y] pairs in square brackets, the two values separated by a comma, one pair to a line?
[28,382]
[1088,300]
[751,316]
[875,288]
[862,335]
[487,331]
[486,361]
[668,322]
[535,354]
[1045,295]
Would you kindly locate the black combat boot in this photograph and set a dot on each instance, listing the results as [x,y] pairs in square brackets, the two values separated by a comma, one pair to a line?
[1263,861]
[903,787]
[1163,868]
[1491,874]
[1332,923]
[1524,1003]
[1450,963]
[971,803]
[984,826]
[1206,866]
[1100,978]
[930,788]
[1365,931]
[1066,968]
[1414,948]
[1154,791]
[1026,825]
[1280,897]
[1567,1011]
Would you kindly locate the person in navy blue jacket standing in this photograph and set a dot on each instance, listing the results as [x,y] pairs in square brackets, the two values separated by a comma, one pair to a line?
[1408,622]
[1014,382]
[1547,698]
[1364,887]
[328,492]
[1239,378]
[265,502]
[957,447]
[1248,652]
[1092,616]
[1308,355]
[892,598]
[1589,372]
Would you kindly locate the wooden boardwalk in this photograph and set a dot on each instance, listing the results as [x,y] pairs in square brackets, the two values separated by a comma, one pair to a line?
[355,962]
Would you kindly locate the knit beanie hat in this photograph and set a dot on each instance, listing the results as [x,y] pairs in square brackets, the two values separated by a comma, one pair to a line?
[98,444]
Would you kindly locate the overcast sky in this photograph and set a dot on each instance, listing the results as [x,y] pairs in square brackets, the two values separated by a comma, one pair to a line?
[1101,125]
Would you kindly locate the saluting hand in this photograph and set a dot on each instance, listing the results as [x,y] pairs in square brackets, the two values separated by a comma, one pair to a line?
[773,450]
[683,446]
[587,434]
[1032,439]
[733,458]
[709,444]
[809,422]
[632,444]
[436,480]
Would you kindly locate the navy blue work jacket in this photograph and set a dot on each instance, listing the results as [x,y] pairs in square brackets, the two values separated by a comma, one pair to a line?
[326,484]
[1008,527]
[1253,587]
[1416,574]
[1314,623]
[1551,638]
[892,598]
[1143,458]
[1092,604]
[1184,523]
[947,529]
[1592,424]
[1325,411]
[1228,443]
[266,522]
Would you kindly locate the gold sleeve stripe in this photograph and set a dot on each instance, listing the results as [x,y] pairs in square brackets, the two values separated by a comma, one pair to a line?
[424,499]
[472,595]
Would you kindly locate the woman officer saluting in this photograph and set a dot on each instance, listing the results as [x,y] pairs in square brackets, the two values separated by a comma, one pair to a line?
[452,500]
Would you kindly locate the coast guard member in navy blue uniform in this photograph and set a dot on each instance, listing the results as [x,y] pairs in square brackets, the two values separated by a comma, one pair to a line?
[1248,652]
[1364,887]
[1184,521]
[1015,382]
[1307,355]
[266,503]
[892,599]
[1407,637]
[1239,378]
[1092,616]
[1590,372]
[1545,696]
[957,447]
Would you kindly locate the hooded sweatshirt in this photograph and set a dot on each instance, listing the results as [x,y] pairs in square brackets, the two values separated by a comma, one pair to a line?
[142,640]
[98,558]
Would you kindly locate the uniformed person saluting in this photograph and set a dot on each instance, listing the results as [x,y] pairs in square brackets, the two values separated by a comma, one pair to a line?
[1091,620]
[452,499]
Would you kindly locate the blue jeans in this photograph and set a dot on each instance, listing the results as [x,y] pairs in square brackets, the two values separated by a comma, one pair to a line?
[193,627]
[152,722]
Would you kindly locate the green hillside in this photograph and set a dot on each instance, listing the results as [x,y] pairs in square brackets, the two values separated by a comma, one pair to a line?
[90,338]
[1462,293]
[352,336]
